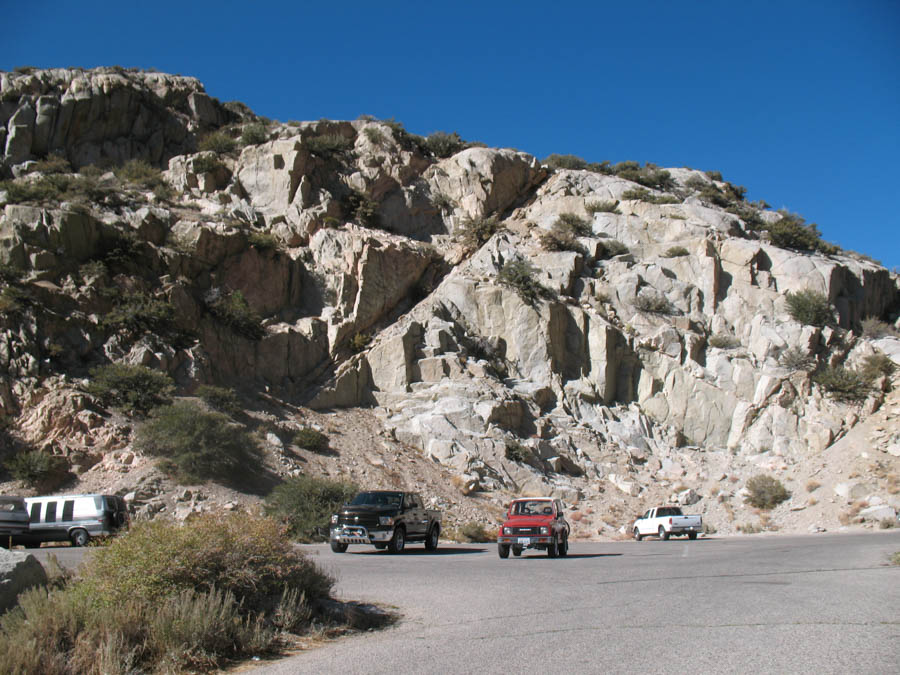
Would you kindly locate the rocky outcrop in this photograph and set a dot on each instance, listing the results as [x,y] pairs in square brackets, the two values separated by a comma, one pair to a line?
[19,571]
[105,114]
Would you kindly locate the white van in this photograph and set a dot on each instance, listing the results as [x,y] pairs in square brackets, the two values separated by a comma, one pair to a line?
[74,518]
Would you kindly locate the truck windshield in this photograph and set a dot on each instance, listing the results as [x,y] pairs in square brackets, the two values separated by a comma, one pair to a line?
[532,508]
[377,499]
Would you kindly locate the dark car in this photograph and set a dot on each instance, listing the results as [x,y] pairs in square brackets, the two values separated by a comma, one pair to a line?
[13,518]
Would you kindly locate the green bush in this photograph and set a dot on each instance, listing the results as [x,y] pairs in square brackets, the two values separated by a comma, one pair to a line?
[475,533]
[564,231]
[264,241]
[519,275]
[234,311]
[644,195]
[134,389]
[52,163]
[749,215]
[139,172]
[877,365]
[873,327]
[477,231]
[376,136]
[843,384]
[611,206]
[38,469]
[653,303]
[555,161]
[197,445]
[809,307]
[206,164]
[676,252]
[138,313]
[219,398]
[253,134]
[576,225]
[44,189]
[766,492]
[792,231]
[10,273]
[441,144]
[13,300]
[359,341]
[328,145]
[361,209]
[516,452]
[649,175]
[305,505]
[724,341]
[796,359]
[610,248]
[217,141]
[310,439]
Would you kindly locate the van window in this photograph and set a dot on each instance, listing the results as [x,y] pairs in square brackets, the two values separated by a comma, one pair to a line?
[68,509]
[50,517]
[35,513]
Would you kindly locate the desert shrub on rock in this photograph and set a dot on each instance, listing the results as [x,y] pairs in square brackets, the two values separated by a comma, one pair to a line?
[809,307]
[676,252]
[766,492]
[217,141]
[196,445]
[603,207]
[477,231]
[877,365]
[219,398]
[873,327]
[253,134]
[234,311]
[473,532]
[441,144]
[304,504]
[843,384]
[516,452]
[796,359]
[519,274]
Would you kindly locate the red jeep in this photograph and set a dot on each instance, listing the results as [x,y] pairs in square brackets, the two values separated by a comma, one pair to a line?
[536,522]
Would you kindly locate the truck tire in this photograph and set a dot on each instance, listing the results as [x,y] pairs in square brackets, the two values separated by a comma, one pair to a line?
[79,537]
[381,545]
[663,534]
[431,541]
[398,541]
[564,546]
[517,551]
[338,547]
[637,535]
[553,548]
[503,550]
[692,535]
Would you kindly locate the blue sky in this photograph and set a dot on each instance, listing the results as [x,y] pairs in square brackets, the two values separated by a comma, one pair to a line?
[797,101]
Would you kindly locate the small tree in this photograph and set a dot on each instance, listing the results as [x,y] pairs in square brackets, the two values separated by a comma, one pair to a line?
[305,504]
[519,275]
[843,384]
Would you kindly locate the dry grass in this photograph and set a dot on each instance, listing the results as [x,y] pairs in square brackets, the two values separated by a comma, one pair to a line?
[812,501]
[813,485]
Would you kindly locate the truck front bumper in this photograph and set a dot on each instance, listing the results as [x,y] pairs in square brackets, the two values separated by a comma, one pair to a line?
[531,540]
[357,534]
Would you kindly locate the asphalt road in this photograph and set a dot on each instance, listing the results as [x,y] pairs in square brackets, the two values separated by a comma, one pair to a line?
[810,604]
[820,604]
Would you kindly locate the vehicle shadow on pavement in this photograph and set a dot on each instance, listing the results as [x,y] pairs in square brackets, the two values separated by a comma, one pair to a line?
[441,550]
[570,555]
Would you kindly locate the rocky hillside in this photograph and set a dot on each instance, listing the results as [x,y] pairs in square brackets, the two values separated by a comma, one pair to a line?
[468,321]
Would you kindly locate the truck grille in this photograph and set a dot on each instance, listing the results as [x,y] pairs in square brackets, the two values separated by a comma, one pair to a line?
[526,530]
[363,520]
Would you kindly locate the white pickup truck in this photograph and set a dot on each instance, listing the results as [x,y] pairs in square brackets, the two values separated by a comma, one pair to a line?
[666,521]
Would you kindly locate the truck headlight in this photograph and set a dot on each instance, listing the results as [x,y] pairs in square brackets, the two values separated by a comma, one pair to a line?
[386,520]
[334,519]
[506,530]
[544,530]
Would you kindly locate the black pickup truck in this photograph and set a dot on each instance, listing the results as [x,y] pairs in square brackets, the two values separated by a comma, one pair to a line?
[386,519]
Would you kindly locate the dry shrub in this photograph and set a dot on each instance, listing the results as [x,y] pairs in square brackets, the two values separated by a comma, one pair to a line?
[812,485]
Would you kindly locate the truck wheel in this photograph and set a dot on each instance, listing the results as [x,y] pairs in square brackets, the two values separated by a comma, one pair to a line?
[398,541]
[637,535]
[692,535]
[517,551]
[552,549]
[431,542]
[564,546]
[79,537]
[503,550]
[663,534]
[338,547]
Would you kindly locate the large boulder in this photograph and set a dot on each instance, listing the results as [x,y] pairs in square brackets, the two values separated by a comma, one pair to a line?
[19,571]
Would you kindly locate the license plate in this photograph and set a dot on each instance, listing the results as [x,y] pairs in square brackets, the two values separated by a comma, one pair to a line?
[525,541]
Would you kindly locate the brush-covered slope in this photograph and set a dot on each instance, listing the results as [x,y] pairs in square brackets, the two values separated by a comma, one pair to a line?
[467,320]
